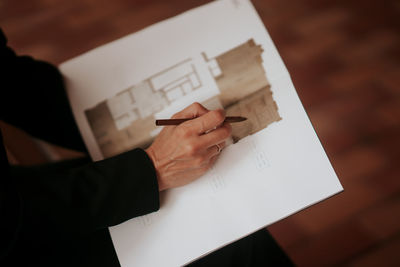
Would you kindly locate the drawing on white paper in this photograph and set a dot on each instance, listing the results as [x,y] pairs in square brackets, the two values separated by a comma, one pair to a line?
[217,182]
[245,90]
[145,220]
[126,120]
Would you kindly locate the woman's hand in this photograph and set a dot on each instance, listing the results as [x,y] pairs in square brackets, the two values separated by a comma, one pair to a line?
[183,153]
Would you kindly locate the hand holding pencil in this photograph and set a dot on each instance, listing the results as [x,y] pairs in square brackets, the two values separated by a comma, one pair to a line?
[181,153]
[166,122]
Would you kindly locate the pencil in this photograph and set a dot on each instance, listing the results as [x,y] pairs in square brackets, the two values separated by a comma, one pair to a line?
[166,122]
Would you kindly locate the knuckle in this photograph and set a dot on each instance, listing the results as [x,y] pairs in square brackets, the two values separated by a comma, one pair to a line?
[197,105]
[200,161]
[199,108]
[176,115]
[219,115]
[182,132]
[191,149]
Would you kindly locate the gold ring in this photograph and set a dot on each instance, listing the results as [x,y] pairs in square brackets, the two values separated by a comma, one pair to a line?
[219,149]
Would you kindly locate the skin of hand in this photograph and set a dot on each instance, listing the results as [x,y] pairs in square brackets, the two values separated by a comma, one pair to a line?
[182,153]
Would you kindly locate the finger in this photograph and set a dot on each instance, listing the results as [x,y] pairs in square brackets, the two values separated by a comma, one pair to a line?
[212,161]
[203,159]
[215,150]
[193,111]
[206,122]
[216,136]
[204,168]
[197,161]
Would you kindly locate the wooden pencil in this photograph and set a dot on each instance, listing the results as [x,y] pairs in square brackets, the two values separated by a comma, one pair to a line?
[166,122]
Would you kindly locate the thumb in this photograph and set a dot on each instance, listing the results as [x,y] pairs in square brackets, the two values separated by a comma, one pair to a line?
[193,111]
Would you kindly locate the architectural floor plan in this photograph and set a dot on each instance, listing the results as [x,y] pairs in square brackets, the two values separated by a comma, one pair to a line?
[126,120]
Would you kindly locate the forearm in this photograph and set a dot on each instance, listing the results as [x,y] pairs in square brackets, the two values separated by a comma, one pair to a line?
[92,196]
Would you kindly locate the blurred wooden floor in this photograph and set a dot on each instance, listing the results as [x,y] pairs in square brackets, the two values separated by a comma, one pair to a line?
[344,58]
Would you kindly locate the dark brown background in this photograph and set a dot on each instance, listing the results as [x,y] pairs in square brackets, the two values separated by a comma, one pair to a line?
[344,60]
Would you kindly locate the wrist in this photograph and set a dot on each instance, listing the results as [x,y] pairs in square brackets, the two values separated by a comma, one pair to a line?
[151,154]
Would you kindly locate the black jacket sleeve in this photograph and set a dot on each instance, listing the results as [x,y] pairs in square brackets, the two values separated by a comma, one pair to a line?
[91,196]
[63,202]
[33,98]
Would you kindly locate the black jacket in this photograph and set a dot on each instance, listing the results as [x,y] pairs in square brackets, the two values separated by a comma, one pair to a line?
[58,214]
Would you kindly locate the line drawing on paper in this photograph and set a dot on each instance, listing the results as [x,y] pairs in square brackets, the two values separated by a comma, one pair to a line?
[126,120]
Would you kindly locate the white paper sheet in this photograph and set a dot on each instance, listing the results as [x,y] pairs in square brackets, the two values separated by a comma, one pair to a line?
[257,181]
